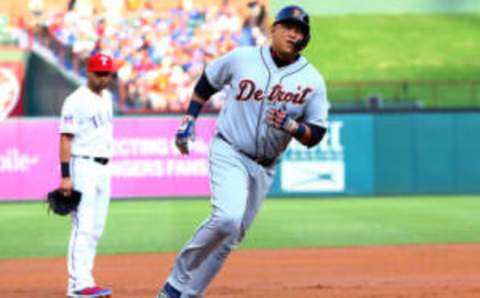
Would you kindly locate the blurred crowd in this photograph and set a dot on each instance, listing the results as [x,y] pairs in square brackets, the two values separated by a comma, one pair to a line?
[159,55]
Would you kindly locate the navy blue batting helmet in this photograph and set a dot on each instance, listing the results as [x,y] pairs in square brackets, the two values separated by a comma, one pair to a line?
[295,14]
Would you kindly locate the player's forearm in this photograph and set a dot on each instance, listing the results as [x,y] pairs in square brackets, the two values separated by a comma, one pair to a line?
[302,136]
[201,94]
[65,147]
[195,106]
[65,154]
[307,134]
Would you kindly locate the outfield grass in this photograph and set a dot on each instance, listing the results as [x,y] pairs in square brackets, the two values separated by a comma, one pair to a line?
[164,225]
[399,47]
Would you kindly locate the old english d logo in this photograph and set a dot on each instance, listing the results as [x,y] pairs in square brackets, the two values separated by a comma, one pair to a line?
[296,12]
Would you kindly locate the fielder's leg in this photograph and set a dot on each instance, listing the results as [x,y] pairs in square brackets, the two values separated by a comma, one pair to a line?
[80,254]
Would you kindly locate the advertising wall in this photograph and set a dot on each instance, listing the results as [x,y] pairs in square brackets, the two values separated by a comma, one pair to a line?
[427,153]
[145,163]
[362,154]
[341,164]
[376,154]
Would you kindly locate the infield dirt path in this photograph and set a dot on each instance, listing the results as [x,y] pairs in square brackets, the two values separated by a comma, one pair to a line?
[399,271]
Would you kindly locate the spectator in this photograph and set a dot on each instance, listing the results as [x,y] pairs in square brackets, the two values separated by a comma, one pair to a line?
[162,54]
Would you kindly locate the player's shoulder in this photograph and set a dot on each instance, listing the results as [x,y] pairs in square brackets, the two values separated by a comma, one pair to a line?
[245,51]
[107,94]
[78,93]
[313,74]
[77,97]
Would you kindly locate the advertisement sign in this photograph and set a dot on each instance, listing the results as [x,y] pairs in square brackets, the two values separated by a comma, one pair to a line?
[360,155]
[320,169]
[12,72]
[28,158]
[341,164]
[145,164]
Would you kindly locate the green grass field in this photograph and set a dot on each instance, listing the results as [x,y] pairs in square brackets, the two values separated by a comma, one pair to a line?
[436,47]
[164,225]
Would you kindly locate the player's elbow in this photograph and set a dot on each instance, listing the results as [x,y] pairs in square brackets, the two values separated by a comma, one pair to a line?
[312,144]
[317,134]
[203,90]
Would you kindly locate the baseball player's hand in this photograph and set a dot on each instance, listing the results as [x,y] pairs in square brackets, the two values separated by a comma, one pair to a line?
[66,186]
[62,204]
[280,120]
[185,133]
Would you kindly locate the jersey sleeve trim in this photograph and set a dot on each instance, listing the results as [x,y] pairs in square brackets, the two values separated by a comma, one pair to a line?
[204,88]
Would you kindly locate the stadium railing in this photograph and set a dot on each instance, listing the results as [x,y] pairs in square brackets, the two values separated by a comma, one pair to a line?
[417,93]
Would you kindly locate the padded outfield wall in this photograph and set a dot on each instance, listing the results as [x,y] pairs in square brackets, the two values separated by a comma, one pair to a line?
[394,153]
[363,154]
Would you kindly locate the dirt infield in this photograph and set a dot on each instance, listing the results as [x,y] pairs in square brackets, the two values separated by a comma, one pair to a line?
[400,271]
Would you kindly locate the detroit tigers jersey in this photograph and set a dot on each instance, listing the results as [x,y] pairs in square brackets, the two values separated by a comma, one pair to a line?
[88,116]
[256,84]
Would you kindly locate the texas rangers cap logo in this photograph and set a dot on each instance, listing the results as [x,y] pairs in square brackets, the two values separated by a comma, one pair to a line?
[104,60]
[100,62]
[9,92]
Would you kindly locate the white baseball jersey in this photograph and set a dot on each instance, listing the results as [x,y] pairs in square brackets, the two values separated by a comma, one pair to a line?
[88,116]
[257,84]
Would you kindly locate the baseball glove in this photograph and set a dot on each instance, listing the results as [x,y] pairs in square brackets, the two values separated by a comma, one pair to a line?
[61,204]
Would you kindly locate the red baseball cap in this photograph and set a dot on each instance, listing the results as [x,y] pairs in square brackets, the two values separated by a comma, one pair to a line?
[100,62]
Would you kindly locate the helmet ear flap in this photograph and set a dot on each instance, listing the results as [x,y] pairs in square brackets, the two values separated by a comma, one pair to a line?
[302,44]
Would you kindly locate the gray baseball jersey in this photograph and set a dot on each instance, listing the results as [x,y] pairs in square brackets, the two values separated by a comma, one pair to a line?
[240,183]
[256,84]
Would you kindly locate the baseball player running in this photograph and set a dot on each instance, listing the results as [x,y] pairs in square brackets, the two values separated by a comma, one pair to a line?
[86,140]
[274,95]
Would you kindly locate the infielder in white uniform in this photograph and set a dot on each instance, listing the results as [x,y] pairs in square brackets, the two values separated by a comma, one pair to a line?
[274,95]
[86,142]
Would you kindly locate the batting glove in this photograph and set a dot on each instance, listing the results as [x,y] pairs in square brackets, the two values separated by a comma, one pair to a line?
[185,133]
[280,120]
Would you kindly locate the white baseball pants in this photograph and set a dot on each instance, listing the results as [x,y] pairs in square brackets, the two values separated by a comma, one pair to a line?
[92,179]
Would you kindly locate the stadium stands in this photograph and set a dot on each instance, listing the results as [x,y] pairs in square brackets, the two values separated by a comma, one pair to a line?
[159,54]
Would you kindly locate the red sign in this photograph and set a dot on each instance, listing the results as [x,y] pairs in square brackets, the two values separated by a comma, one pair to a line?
[11,88]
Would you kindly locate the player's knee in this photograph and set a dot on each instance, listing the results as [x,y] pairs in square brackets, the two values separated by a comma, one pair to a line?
[229,224]
[85,229]
[91,232]
[96,235]
[97,232]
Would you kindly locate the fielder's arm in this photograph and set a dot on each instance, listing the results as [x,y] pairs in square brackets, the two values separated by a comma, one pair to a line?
[65,155]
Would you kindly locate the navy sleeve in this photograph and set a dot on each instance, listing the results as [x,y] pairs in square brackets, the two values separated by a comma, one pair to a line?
[318,132]
[203,88]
